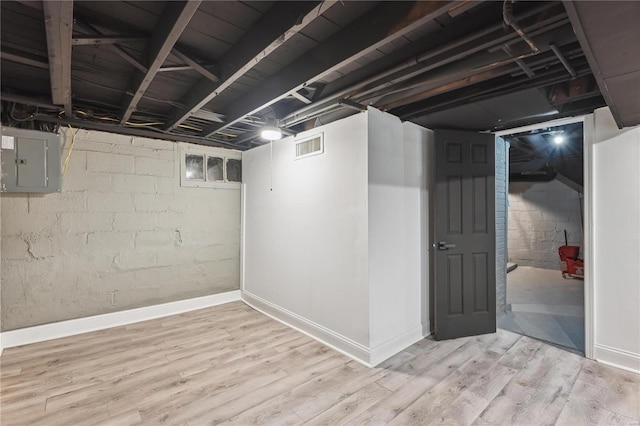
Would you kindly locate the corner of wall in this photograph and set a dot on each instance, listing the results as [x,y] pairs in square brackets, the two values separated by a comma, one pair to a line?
[614,238]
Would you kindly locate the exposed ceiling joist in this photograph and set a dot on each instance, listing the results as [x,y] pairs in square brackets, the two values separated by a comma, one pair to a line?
[11,55]
[58,17]
[92,30]
[89,40]
[377,27]
[174,19]
[378,74]
[195,65]
[43,103]
[300,97]
[277,26]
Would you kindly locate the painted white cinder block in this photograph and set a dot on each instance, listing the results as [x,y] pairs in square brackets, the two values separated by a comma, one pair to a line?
[109,202]
[153,167]
[113,238]
[15,248]
[157,203]
[133,184]
[538,215]
[109,242]
[158,238]
[85,222]
[17,225]
[79,181]
[111,163]
[135,221]
[64,202]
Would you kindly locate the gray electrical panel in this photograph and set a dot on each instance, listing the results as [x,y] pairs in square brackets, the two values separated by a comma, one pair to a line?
[30,161]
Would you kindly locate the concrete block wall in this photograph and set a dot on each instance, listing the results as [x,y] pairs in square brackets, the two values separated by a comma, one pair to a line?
[538,215]
[502,166]
[122,234]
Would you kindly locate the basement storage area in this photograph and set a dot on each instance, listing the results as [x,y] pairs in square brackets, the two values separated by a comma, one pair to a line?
[545,283]
[289,212]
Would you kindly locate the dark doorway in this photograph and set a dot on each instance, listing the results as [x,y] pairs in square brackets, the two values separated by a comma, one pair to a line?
[546,213]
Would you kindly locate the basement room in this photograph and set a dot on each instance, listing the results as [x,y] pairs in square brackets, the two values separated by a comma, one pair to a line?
[319,212]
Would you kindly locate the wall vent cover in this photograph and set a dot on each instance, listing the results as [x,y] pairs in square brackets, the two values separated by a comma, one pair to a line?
[307,147]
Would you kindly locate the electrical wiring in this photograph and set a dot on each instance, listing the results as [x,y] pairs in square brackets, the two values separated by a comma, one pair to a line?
[66,161]
[128,123]
[91,116]
[186,126]
[20,120]
[229,135]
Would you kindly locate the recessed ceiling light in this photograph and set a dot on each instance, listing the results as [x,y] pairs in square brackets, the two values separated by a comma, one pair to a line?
[558,139]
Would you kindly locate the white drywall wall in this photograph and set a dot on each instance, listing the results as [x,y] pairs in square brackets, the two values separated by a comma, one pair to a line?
[336,244]
[122,234]
[398,226]
[305,230]
[539,212]
[616,241]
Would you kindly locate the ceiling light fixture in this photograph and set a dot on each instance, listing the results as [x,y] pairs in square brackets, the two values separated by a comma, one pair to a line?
[558,139]
[271,133]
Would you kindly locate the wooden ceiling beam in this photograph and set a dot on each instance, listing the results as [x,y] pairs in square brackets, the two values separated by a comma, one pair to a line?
[94,40]
[381,25]
[58,18]
[171,23]
[281,22]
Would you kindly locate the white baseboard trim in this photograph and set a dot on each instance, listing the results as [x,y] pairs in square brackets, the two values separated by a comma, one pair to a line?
[40,333]
[618,358]
[342,344]
[396,344]
[322,334]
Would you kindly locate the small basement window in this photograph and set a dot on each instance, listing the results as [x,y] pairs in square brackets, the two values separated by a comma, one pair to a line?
[210,167]
[215,169]
[194,169]
[234,170]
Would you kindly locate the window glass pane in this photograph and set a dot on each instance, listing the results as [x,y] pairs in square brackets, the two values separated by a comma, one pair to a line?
[194,166]
[234,170]
[214,168]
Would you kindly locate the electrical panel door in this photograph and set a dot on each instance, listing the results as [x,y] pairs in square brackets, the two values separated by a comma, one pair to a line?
[30,161]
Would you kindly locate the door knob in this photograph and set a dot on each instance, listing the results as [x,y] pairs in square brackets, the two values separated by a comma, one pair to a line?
[444,246]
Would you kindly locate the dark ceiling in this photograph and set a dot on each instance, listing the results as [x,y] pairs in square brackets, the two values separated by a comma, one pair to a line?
[213,72]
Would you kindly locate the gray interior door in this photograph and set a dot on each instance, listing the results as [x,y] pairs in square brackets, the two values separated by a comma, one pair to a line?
[465,266]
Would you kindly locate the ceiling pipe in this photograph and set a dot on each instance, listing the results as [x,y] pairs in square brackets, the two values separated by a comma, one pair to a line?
[507,16]
[562,59]
[543,26]
[540,80]
[463,74]
[335,97]
[481,59]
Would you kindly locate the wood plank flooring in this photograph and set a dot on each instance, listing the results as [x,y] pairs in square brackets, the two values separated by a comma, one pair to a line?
[232,365]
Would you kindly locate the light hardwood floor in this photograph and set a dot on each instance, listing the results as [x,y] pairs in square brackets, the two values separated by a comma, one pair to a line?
[232,365]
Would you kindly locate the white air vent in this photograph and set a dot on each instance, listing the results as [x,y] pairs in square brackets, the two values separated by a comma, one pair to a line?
[313,145]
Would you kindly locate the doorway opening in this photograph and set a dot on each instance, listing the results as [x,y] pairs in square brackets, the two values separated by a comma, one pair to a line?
[545,291]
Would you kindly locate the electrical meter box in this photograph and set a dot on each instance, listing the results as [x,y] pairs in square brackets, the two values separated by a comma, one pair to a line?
[30,161]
